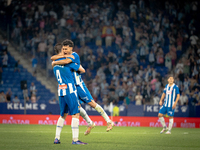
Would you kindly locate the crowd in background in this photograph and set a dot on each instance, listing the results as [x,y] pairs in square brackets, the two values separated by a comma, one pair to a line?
[122,45]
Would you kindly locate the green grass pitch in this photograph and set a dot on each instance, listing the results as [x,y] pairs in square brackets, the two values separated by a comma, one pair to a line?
[41,137]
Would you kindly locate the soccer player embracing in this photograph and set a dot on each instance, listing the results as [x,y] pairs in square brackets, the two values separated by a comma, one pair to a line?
[83,92]
[170,96]
[68,99]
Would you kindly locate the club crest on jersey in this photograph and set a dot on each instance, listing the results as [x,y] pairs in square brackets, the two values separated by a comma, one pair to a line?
[169,92]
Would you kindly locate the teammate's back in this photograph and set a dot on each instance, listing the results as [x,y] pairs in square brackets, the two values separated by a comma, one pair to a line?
[63,73]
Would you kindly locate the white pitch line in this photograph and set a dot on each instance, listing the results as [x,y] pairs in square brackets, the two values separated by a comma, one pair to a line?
[79,132]
[185,132]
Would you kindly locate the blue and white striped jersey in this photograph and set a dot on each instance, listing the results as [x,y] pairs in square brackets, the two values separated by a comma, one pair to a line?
[170,95]
[63,74]
[77,77]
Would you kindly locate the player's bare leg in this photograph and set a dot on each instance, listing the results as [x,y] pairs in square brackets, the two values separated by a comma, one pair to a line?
[171,121]
[98,108]
[162,121]
[85,116]
[75,130]
[59,127]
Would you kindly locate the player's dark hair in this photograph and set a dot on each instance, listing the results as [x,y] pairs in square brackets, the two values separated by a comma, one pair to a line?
[57,48]
[68,42]
[170,75]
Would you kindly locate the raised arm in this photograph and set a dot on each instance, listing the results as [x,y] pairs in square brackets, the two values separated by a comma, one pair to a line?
[61,62]
[55,57]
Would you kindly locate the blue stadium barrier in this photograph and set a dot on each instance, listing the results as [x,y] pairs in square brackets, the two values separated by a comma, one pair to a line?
[133,110]
[180,111]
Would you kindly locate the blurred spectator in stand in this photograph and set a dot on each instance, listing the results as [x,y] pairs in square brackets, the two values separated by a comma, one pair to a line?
[120,91]
[16,99]
[81,37]
[183,99]
[133,9]
[95,90]
[53,101]
[33,98]
[25,94]
[5,59]
[159,57]
[142,48]
[179,41]
[127,100]
[186,85]
[33,89]
[156,99]
[16,34]
[173,57]
[127,42]
[34,65]
[118,41]
[157,85]
[91,59]
[168,61]
[151,58]
[179,67]
[5,44]
[50,50]
[109,35]
[193,40]
[50,38]
[8,95]
[17,66]
[112,86]
[88,77]
[196,96]
[98,39]
[186,69]
[105,100]
[1,71]
[195,71]
[115,110]
[179,84]
[42,47]
[3,97]
[112,97]
[138,99]
[153,84]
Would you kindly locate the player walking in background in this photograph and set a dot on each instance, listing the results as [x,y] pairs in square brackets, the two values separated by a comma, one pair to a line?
[83,92]
[68,99]
[171,95]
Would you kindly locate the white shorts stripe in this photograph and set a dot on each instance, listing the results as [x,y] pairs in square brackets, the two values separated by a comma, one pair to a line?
[173,97]
[58,92]
[81,85]
[64,92]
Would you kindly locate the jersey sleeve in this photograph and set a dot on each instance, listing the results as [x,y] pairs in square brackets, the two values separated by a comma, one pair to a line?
[164,91]
[73,60]
[74,66]
[77,58]
[177,90]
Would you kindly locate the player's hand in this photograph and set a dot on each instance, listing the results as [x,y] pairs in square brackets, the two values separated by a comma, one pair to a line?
[174,106]
[53,63]
[160,103]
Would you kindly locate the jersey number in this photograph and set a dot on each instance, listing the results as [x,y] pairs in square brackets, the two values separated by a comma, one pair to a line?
[58,76]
